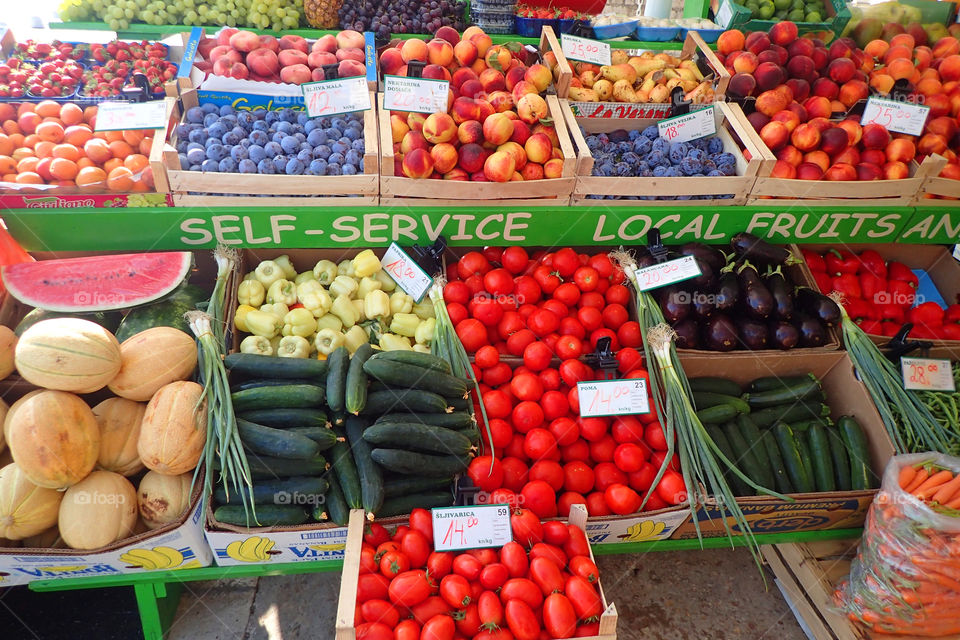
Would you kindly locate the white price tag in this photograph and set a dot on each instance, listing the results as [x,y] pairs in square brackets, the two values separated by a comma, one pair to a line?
[927,374]
[340,95]
[660,275]
[417,95]
[584,49]
[896,116]
[116,116]
[473,527]
[690,126]
[613,397]
[725,14]
[956,252]
[408,274]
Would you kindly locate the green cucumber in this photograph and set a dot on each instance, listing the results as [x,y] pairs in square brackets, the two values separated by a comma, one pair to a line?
[341,461]
[425,360]
[423,464]
[804,425]
[461,404]
[472,434]
[395,486]
[751,435]
[821,458]
[284,491]
[718,414]
[708,384]
[335,504]
[281,418]
[780,477]
[411,376]
[371,477]
[269,468]
[790,413]
[253,383]
[807,390]
[861,477]
[806,456]
[707,399]
[841,460]
[339,418]
[746,458]
[268,515]
[252,365]
[290,396]
[417,437]
[279,443]
[769,383]
[355,396]
[401,505]
[716,434]
[338,362]
[792,461]
[323,436]
[411,400]
[455,420]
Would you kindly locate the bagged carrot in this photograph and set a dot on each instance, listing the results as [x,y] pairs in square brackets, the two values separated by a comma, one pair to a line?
[905,579]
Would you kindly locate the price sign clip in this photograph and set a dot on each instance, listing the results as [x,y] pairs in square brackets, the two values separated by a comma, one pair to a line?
[603,357]
[415,68]
[331,71]
[583,29]
[899,346]
[678,106]
[140,92]
[655,246]
[901,90]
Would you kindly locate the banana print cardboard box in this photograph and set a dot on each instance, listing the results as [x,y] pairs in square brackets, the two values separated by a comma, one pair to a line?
[275,545]
[180,545]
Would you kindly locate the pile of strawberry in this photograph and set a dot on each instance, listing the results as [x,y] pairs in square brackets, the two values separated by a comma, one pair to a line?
[881,296]
[42,51]
[543,584]
[552,13]
[117,62]
[51,79]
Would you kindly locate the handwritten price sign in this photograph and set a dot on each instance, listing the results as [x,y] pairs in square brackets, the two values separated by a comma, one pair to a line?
[340,95]
[117,116]
[474,527]
[417,95]
[408,274]
[660,275]
[901,117]
[613,398]
[927,374]
[584,49]
[690,126]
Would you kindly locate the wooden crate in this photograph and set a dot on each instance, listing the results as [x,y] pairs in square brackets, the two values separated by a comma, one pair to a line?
[731,127]
[400,190]
[242,189]
[936,191]
[346,606]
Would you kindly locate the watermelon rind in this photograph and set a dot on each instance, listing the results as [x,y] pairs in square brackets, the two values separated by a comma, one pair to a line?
[164,313]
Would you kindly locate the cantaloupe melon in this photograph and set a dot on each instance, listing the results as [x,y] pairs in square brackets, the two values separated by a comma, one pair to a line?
[25,508]
[8,418]
[4,409]
[174,429]
[54,438]
[151,359]
[163,499]
[68,354]
[8,345]
[98,511]
[119,422]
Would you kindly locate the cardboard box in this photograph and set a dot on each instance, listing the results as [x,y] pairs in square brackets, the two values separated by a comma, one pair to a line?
[845,395]
[732,15]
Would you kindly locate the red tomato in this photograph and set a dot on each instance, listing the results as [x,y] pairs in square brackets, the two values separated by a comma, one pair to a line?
[629,457]
[566,500]
[522,589]
[590,318]
[549,471]
[493,254]
[573,371]
[671,488]
[514,558]
[407,630]
[559,617]
[604,333]
[509,324]
[628,358]
[597,505]
[554,405]
[372,586]
[617,294]
[584,567]
[578,450]
[457,312]
[375,534]
[657,458]
[586,601]
[578,477]
[546,279]
[468,624]
[456,291]
[587,630]
[490,608]
[654,436]
[526,386]
[494,575]
[455,591]
[527,415]
[514,471]
[486,473]
[538,442]
[569,347]
[439,627]
[555,533]
[654,501]
[472,263]
[499,282]
[439,564]
[586,278]
[553,553]
[467,566]
[410,588]
[472,333]
[593,428]
[380,611]
[421,520]
[567,293]
[526,530]
[601,262]
[539,497]
[551,341]
[393,563]
[474,284]
[566,262]
[564,430]
[536,355]
[626,429]
[398,534]
[515,259]
[621,499]
[486,310]
[573,398]
[606,474]
[526,290]
[602,450]
[487,356]
[550,379]
[615,315]
[497,375]
[642,479]
[543,322]
[629,334]
[592,299]
[374,631]
[504,496]
[497,403]
[417,547]
[501,432]
[546,574]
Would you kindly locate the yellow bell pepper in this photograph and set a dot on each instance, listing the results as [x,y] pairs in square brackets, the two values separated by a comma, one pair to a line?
[367,285]
[343,308]
[404,324]
[424,309]
[358,305]
[282,291]
[345,268]
[355,337]
[268,272]
[366,263]
[261,323]
[304,277]
[314,297]
[425,331]
[400,302]
[239,317]
[329,321]
[251,292]
[252,275]
[376,304]
[278,309]
[389,284]
[289,271]
[256,344]
[299,322]
[422,348]
[343,286]
[294,347]
[325,271]
[391,342]
[328,340]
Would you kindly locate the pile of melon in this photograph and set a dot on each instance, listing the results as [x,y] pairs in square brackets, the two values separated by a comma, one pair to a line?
[85,477]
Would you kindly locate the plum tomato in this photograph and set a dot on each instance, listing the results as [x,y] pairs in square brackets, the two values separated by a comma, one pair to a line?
[549,471]
[416,546]
[374,631]
[555,533]
[498,282]
[514,259]
[566,262]
[566,500]
[569,347]
[487,356]
[540,498]
[494,575]
[439,564]
[526,290]
[522,589]
[671,487]
[519,341]
[485,476]
[578,476]
[467,566]
[472,334]
[472,263]
[527,530]
[586,278]
[537,355]
[545,569]
[456,291]
[455,590]
[410,588]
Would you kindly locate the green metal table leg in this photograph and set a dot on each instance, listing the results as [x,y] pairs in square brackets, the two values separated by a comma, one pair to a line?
[157,602]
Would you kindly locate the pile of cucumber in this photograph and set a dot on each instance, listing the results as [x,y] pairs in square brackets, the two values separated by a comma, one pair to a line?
[779,434]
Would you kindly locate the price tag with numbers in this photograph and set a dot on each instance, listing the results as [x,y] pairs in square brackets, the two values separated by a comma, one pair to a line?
[473,527]
[332,97]
[896,116]
[416,95]
[117,116]
[660,275]
[927,374]
[408,274]
[690,126]
[584,49]
[613,397]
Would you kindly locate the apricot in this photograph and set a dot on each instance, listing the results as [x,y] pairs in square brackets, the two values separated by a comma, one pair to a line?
[120,179]
[29,121]
[29,177]
[120,149]
[91,178]
[67,151]
[6,145]
[7,112]
[132,137]
[63,169]
[44,149]
[77,135]
[7,165]
[29,163]
[112,164]
[71,114]
[51,131]
[136,162]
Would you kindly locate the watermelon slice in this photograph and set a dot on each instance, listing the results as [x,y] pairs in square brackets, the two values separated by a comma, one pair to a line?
[97,283]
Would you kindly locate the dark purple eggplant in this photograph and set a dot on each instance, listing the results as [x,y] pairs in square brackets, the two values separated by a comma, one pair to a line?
[728,291]
[754,335]
[720,333]
[754,296]
[818,305]
[676,303]
[688,334]
[707,278]
[812,331]
[746,245]
[783,335]
[781,291]
[704,253]
[703,304]
[748,274]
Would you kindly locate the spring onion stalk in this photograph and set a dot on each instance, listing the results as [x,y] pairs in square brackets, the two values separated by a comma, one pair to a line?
[909,423]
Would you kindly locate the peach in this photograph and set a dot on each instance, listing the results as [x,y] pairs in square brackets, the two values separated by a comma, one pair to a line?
[245,41]
[931,143]
[465,53]
[391,60]
[775,135]
[539,148]
[741,85]
[413,140]
[553,168]
[730,41]
[240,71]
[499,166]
[398,127]
[444,156]
[439,127]
[492,80]
[756,42]
[790,154]
[802,67]
[787,117]
[521,132]
[498,128]
[901,150]
[413,49]
[290,57]
[818,158]
[482,42]
[465,109]
[350,39]
[825,87]
[436,72]
[513,76]
[939,105]
[532,108]
[895,171]
[900,69]
[875,137]
[449,34]
[923,58]
[834,140]
[758,120]
[883,83]
[841,70]
[517,151]
[418,163]
[927,86]
[265,62]
[521,89]
[221,51]
[317,59]
[548,130]
[472,157]
[799,87]
[805,137]
[460,76]
[326,43]
[486,109]
[415,121]
[289,42]
[809,171]
[783,169]
[850,155]
[532,171]
[539,76]
[498,57]
[945,47]
[800,47]
[440,52]
[457,174]
[770,102]
[783,33]
[877,49]
[350,54]
[351,68]
[769,75]
[842,48]
[868,171]
[942,126]
[951,171]
[820,58]
[295,74]
[840,172]
[746,62]
[818,107]
[471,88]
[470,131]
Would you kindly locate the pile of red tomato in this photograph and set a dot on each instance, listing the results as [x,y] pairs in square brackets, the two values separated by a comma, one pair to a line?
[543,584]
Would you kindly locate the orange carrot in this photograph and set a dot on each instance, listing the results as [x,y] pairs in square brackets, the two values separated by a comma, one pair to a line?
[931,484]
[954,503]
[922,474]
[907,474]
[947,491]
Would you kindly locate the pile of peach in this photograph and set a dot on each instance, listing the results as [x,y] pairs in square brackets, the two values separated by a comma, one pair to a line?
[47,143]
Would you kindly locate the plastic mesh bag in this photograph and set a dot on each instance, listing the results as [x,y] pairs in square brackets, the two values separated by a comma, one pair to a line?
[905,579]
